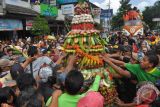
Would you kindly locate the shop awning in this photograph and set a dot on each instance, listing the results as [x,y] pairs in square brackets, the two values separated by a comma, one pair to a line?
[20,10]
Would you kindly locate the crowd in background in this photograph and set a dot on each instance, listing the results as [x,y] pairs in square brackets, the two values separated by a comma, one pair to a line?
[34,73]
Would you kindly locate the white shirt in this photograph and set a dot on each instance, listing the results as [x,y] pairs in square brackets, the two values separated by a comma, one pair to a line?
[36,65]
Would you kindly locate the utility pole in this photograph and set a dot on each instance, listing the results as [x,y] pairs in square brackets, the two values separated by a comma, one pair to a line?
[109,22]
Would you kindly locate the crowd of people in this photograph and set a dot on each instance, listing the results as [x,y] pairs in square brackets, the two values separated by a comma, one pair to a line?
[40,74]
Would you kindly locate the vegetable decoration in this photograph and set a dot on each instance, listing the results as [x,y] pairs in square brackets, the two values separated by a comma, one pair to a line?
[85,41]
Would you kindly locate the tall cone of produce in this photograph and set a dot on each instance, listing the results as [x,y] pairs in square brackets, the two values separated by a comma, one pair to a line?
[85,41]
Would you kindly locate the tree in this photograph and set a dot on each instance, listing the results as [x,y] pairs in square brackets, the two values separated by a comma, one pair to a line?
[40,26]
[117,20]
[151,12]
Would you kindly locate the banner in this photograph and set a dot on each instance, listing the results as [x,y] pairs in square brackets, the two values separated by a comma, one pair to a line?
[29,24]
[106,13]
[59,2]
[47,10]
[67,9]
[10,24]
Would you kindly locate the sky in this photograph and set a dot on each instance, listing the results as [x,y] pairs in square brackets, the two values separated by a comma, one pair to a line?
[141,4]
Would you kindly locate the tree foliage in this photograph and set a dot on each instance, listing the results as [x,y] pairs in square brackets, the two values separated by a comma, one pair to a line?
[40,26]
[117,20]
[151,12]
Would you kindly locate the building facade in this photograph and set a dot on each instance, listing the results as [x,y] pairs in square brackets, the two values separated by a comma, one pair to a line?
[13,18]
[16,16]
